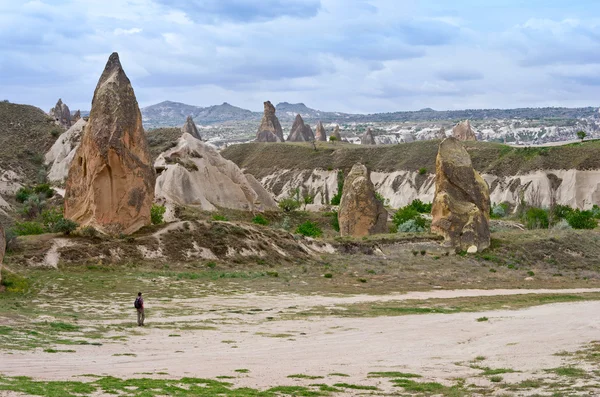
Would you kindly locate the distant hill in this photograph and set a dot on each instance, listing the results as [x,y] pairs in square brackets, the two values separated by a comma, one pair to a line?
[173,114]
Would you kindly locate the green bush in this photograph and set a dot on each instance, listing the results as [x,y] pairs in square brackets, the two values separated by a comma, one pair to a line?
[422,171]
[579,219]
[51,217]
[335,200]
[421,207]
[157,213]
[89,231]
[32,206]
[536,218]
[411,226]
[14,283]
[44,189]
[28,228]
[289,204]
[65,226]
[219,217]
[23,194]
[596,211]
[335,222]
[406,214]
[260,220]
[561,211]
[309,229]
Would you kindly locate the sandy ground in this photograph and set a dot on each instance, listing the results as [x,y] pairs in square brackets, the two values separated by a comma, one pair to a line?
[437,346]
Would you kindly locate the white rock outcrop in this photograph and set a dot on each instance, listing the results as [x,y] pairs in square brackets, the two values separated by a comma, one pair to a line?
[194,173]
[61,154]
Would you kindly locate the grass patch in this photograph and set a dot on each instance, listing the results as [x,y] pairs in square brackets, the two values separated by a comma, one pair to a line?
[354,387]
[570,372]
[482,319]
[393,375]
[302,376]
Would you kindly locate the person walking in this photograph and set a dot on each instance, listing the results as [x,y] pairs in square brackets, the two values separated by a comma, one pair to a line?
[139,306]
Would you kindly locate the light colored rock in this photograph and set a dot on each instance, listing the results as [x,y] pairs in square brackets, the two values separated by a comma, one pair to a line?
[336,133]
[441,134]
[322,184]
[461,206]
[76,116]
[367,138]
[61,154]
[300,132]
[270,128]
[61,114]
[110,185]
[321,134]
[190,128]
[194,173]
[361,213]
[463,131]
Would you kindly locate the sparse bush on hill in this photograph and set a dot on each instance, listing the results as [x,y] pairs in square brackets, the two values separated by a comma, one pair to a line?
[260,220]
[65,226]
[289,204]
[308,199]
[596,211]
[410,226]
[335,223]
[421,207]
[44,189]
[335,200]
[89,231]
[28,228]
[157,213]
[309,229]
[219,217]
[579,219]
[562,225]
[422,171]
[536,218]
[23,194]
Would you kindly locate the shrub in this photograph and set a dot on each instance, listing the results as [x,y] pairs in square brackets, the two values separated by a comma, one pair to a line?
[335,222]
[308,199]
[23,194]
[157,213]
[581,135]
[289,204]
[561,211]
[44,189]
[498,211]
[562,225]
[51,216]
[309,229]
[89,231]
[28,228]
[410,226]
[536,218]
[335,200]
[380,197]
[32,206]
[422,171]
[286,223]
[219,217]
[421,207]
[579,219]
[406,214]
[260,220]
[14,283]
[596,211]
[65,226]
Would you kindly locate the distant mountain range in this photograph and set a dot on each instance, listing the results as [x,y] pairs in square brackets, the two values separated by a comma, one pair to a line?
[173,114]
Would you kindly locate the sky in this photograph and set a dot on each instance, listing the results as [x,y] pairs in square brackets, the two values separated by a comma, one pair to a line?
[357,56]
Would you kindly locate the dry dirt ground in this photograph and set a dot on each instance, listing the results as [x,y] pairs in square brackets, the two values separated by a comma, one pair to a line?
[259,340]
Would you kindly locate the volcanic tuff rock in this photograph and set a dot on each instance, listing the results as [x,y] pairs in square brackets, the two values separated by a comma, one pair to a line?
[62,153]
[463,131]
[321,135]
[190,128]
[76,116]
[300,132]
[336,133]
[360,213]
[194,173]
[111,180]
[441,134]
[61,114]
[269,129]
[461,206]
[367,138]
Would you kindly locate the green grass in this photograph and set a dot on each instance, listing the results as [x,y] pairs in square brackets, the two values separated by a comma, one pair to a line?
[482,319]
[570,372]
[354,387]
[392,375]
[339,374]
[303,376]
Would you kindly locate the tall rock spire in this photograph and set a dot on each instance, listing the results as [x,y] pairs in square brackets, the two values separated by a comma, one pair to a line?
[270,129]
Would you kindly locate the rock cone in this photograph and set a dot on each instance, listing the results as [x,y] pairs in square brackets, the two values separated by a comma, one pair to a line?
[360,213]
[336,133]
[300,132]
[367,138]
[61,114]
[194,173]
[190,128]
[76,117]
[110,185]
[270,129]
[321,135]
[463,131]
[461,206]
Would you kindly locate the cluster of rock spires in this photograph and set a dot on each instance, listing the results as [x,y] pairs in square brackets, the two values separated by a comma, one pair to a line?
[270,128]
[463,131]
[61,114]
[110,184]
[361,213]
[461,206]
[300,132]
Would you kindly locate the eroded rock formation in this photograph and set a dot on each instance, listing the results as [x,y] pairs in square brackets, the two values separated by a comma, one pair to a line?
[61,114]
[110,185]
[461,206]
[441,134]
[61,154]
[269,129]
[336,133]
[76,116]
[190,128]
[321,135]
[463,131]
[300,132]
[194,173]
[360,213]
[2,248]
[367,138]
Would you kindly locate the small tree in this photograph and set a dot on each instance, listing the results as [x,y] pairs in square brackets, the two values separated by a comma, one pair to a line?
[332,139]
[65,226]
[581,135]
[289,204]
[157,213]
[308,199]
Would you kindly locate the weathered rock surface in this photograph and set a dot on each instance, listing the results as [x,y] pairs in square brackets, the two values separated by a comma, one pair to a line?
[441,134]
[61,114]
[360,213]
[194,173]
[269,129]
[76,116]
[110,185]
[321,134]
[190,128]
[300,132]
[336,133]
[2,248]
[461,206]
[61,154]
[367,138]
[463,131]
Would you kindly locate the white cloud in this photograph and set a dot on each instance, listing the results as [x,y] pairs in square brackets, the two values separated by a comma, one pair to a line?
[124,32]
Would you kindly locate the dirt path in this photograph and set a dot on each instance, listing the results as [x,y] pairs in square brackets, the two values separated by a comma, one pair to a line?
[431,345]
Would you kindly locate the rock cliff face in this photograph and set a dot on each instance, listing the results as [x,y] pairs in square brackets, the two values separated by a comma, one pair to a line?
[190,128]
[110,185]
[367,138]
[194,173]
[360,213]
[300,132]
[463,131]
[461,206]
[62,153]
[336,133]
[321,135]
[269,129]
[61,114]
